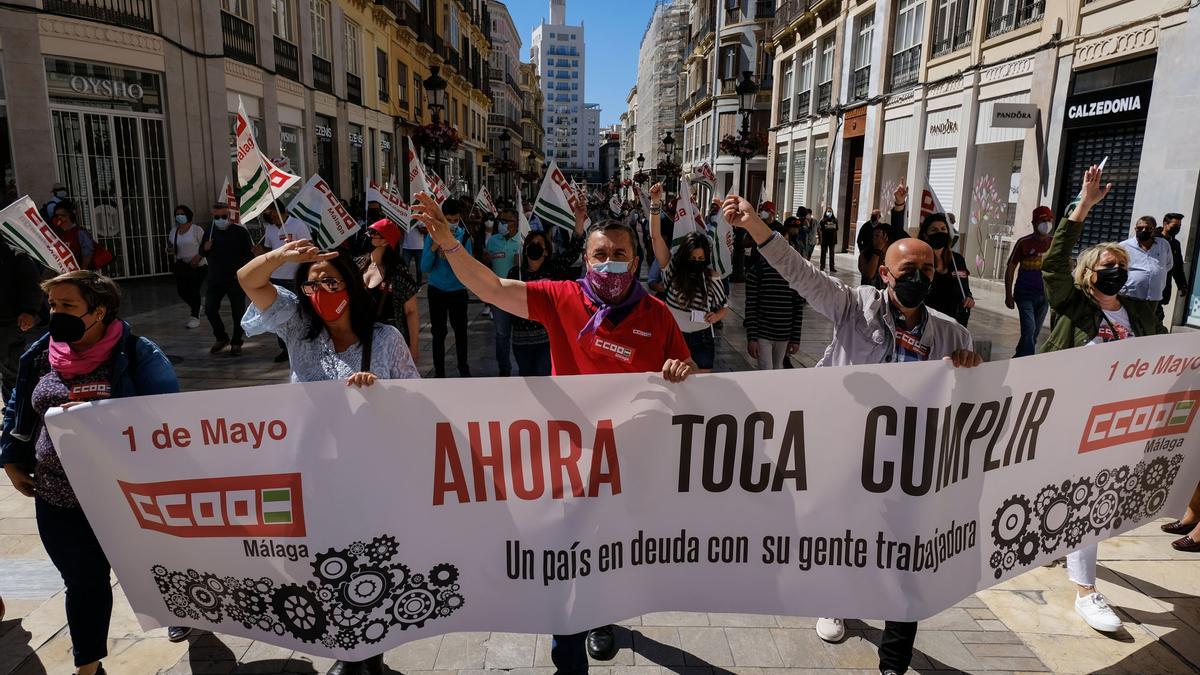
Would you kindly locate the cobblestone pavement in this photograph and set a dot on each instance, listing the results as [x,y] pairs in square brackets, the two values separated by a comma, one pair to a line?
[1027,624]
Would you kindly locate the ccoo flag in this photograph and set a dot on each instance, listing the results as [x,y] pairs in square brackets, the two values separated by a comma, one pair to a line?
[260,182]
[687,216]
[23,228]
[328,221]
[390,203]
[483,199]
[228,197]
[556,200]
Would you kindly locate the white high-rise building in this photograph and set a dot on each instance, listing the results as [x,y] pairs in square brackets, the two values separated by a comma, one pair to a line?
[572,126]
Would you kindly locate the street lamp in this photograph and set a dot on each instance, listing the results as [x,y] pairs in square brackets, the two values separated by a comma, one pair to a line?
[668,147]
[641,160]
[530,172]
[747,90]
[435,85]
[505,140]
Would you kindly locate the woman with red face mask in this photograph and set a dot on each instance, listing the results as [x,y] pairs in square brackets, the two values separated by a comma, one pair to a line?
[330,332]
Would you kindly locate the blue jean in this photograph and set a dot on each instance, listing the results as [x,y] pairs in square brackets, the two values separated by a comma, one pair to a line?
[569,654]
[503,321]
[1032,310]
[533,360]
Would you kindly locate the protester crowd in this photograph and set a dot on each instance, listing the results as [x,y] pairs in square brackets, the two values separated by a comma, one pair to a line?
[553,295]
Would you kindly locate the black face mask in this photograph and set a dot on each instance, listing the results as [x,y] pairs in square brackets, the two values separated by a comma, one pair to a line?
[912,289]
[67,328]
[1143,235]
[697,266]
[1109,281]
[534,252]
[938,240]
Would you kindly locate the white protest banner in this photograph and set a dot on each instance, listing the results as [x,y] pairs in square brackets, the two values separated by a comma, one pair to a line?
[483,199]
[417,180]
[643,200]
[328,221]
[723,246]
[343,522]
[687,216]
[22,227]
[614,203]
[228,197]
[930,203]
[437,186]
[523,226]
[556,200]
[260,182]
[391,204]
[704,176]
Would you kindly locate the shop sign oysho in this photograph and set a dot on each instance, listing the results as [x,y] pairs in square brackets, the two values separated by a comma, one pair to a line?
[111,88]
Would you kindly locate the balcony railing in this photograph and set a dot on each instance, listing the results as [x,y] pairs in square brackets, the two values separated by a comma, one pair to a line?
[239,38]
[322,74]
[452,59]
[951,43]
[860,82]
[287,59]
[785,111]
[824,96]
[353,88]
[803,101]
[1023,13]
[906,66]
[790,10]
[137,14]
[764,9]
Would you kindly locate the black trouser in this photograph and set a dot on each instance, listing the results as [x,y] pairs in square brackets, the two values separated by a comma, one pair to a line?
[828,245]
[188,280]
[220,288]
[68,539]
[896,647]
[569,653]
[452,304]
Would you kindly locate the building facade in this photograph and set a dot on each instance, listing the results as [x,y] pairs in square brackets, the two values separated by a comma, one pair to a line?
[628,132]
[869,94]
[558,50]
[660,59]
[504,122]
[131,104]
[726,40]
[533,106]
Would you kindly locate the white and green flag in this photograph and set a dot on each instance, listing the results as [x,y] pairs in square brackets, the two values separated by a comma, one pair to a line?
[260,182]
[556,200]
[723,246]
[328,221]
[483,199]
[523,227]
[23,228]
[687,216]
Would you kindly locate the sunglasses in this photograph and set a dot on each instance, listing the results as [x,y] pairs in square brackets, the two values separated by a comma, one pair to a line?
[327,283]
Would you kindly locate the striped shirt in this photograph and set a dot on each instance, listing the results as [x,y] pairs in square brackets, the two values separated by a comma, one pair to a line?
[773,310]
[711,299]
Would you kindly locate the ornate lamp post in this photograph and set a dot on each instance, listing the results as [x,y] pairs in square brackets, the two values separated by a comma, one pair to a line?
[435,86]
[747,89]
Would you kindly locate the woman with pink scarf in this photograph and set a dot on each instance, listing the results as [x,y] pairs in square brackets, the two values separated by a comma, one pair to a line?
[88,355]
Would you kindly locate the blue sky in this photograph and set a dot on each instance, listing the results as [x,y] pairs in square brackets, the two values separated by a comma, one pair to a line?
[613,34]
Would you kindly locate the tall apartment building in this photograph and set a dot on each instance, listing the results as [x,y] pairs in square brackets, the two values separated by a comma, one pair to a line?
[660,59]
[504,121]
[125,104]
[726,39]
[868,94]
[558,50]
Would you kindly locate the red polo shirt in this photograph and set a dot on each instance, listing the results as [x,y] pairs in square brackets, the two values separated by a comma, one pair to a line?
[640,343]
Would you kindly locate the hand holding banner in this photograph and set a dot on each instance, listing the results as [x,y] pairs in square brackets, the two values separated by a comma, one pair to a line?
[23,228]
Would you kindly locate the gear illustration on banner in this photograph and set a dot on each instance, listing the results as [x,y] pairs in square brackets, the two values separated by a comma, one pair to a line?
[1060,515]
[357,595]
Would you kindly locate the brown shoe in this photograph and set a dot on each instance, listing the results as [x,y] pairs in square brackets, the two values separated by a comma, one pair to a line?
[1186,545]
[1178,527]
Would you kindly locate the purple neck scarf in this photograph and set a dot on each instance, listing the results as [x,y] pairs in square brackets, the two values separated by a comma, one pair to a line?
[619,310]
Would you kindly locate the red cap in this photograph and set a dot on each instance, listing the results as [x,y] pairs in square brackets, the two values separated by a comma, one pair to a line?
[388,230]
[769,206]
[1042,213]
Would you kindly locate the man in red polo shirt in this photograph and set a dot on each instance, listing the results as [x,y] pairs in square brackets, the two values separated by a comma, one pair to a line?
[605,322]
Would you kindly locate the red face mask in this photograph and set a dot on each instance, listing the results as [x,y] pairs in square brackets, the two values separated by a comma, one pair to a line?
[330,306]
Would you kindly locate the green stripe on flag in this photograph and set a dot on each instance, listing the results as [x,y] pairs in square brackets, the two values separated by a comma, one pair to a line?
[1182,409]
[280,495]
[553,217]
[555,207]
[249,185]
[248,205]
[25,245]
[282,517]
[316,225]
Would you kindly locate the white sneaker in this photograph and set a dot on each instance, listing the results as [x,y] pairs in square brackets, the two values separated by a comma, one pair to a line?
[1095,611]
[193,322]
[831,630]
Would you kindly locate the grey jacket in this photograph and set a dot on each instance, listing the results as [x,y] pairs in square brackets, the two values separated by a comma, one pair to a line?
[863,328]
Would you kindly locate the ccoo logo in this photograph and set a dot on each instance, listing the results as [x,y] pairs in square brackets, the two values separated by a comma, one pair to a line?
[236,506]
[1139,419]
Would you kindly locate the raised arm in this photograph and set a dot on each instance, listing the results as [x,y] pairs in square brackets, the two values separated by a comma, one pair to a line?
[1056,265]
[827,295]
[507,294]
[255,276]
[662,249]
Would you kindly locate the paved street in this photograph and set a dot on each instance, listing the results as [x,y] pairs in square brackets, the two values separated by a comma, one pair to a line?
[1027,624]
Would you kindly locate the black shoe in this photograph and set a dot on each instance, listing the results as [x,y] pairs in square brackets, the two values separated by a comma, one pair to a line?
[216,348]
[345,668]
[464,372]
[235,350]
[373,665]
[601,644]
[506,373]
[281,357]
[178,633]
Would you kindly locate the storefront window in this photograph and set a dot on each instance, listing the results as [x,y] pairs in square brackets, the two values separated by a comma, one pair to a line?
[290,144]
[357,183]
[325,132]
[385,157]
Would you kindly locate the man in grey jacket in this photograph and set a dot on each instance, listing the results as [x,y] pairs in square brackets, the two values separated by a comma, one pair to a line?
[870,325]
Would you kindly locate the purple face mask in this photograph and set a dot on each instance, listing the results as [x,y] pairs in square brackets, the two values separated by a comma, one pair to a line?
[610,279]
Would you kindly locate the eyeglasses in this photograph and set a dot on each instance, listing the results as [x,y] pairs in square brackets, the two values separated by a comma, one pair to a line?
[374,234]
[327,283]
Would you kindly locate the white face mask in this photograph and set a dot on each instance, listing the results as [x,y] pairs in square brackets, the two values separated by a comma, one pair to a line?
[61,194]
[1043,227]
[764,214]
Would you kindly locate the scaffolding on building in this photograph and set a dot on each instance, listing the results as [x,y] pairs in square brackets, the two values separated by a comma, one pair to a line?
[660,59]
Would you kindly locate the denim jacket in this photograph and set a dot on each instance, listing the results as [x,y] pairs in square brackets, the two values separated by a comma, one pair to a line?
[151,373]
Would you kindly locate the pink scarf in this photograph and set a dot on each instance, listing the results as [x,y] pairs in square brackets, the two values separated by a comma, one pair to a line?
[69,362]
